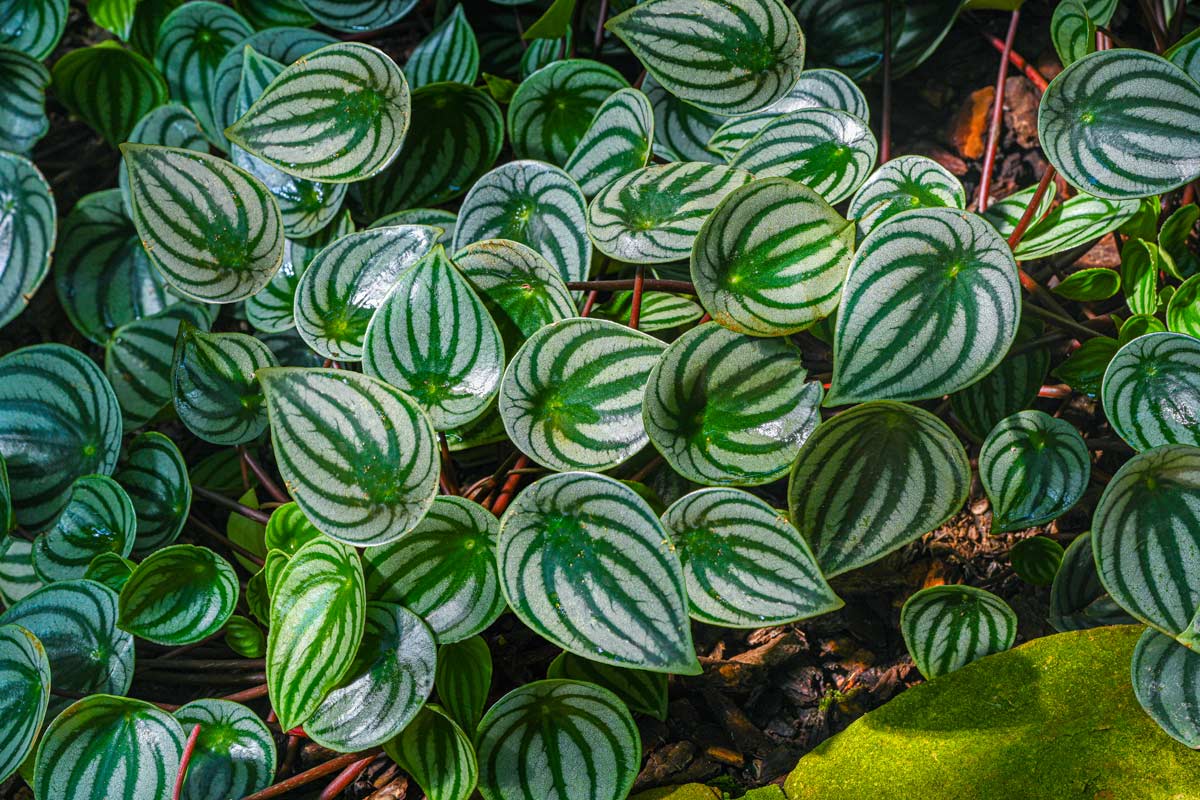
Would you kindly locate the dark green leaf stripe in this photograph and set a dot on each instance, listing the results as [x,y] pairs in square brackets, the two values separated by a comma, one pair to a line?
[1146,538]
[98,518]
[724,408]
[948,627]
[872,479]
[586,564]
[156,478]
[644,692]
[178,595]
[464,679]
[1151,391]
[653,215]
[744,564]
[369,494]
[216,394]
[28,223]
[571,397]
[660,311]
[552,109]
[234,754]
[171,125]
[23,102]
[1077,598]
[550,740]
[337,115]
[383,690]
[1072,31]
[1011,387]
[437,754]
[109,748]
[347,281]
[24,695]
[17,578]
[771,258]
[444,570]
[828,150]
[358,15]
[729,58]
[110,570]
[109,87]
[1034,468]
[59,419]
[616,143]
[930,305]
[903,184]
[213,230]
[449,53]
[521,289]
[1079,220]
[1122,124]
[681,130]
[1166,681]
[532,203]
[33,26]
[318,611]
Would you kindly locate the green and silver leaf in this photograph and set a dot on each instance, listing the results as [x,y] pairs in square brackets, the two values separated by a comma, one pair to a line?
[902,184]
[24,695]
[464,679]
[947,627]
[1072,31]
[1151,391]
[1078,221]
[288,530]
[178,595]
[681,130]
[644,692]
[33,26]
[23,119]
[98,518]
[437,754]
[156,478]
[1011,387]
[1005,214]
[234,755]
[616,142]
[1036,560]
[449,53]
[660,311]
[358,16]
[110,570]
[28,224]
[552,109]
[17,578]
[108,87]
[170,125]
[1089,285]
[1166,681]
[215,392]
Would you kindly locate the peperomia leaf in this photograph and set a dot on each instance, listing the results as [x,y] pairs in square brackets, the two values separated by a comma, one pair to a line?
[552,108]
[1151,391]
[1072,31]
[433,217]
[948,627]
[616,142]
[930,305]
[1036,560]
[644,692]
[574,542]
[110,569]
[1166,685]
[728,58]
[771,258]
[437,754]
[244,637]
[1089,285]
[288,530]
[1005,214]
[170,125]
[902,184]
[28,222]
[98,518]
[318,608]
[115,16]
[1183,310]
[681,130]
[156,478]
[24,695]
[464,679]
[1084,369]
[234,754]
[372,493]
[358,15]
[1079,220]
[17,578]
[557,739]
[1034,468]
[338,115]
[23,103]
[1139,275]
[660,311]
[109,87]
[449,53]
[1121,124]
[872,479]
[724,408]
[571,397]
[178,595]
[215,392]
[33,26]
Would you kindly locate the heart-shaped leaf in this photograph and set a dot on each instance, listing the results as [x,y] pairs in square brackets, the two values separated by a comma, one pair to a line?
[1072,31]
[355,16]
[616,142]
[1122,124]
[28,222]
[948,627]
[729,58]
[771,259]
[902,184]
[644,692]
[1151,391]
[1036,560]
[1011,387]
[571,397]
[449,53]
[98,518]
[216,394]
[170,125]
[681,130]
[23,105]
[34,26]
[872,479]
[1079,220]
[178,595]
[111,570]
[437,754]
[370,494]
[273,308]
[109,87]
[444,569]
[575,542]
[25,685]
[464,679]
[156,478]
[552,109]
[17,578]
[234,754]
[930,305]
[1166,685]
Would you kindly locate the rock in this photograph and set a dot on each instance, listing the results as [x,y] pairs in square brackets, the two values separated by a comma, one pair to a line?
[968,126]
[1021,99]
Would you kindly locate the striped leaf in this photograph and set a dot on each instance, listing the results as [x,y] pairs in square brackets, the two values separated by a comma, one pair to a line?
[947,627]
[434,217]
[389,681]
[178,595]
[930,306]
[543,53]
[170,125]
[728,58]
[1122,124]
[456,135]
[1146,540]
[106,747]
[1079,220]
[147,20]
[1084,369]
[111,570]
[534,204]
[156,478]
[744,564]
[830,151]
[33,26]
[188,49]
[571,397]
[771,258]
[59,419]
[98,518]
[23,101]
[616,142]
[218,242]
[347,281]
[449,53]
[318,612]
[724,408]
[444,570]
[266,14]
[575,542]
[464,679]
[108,87]
[660,311]
[291,350]
[1185,54]
[1139,276]
[1183,309]
[558,739]
[643,692]
[76,622]
[358,15]
[17,578]
[234,755]
[1072,31]
[681,130]
[872,479]
[653,215]
[216,394]
[28,223]
[288,530]
[244,637]
[553,107]
[370,494]
[115,16]
[1088,285]
[437,754]
[1036,560]
[6,501]
[902,184]
[1151,391]
[1034,468]
[338,115]
[24,695]
[1166,681]
[432,338]
[1005,214]
[1011,387]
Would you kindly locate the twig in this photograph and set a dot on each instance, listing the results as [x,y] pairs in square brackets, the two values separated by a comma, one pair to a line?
[296,781]
[510,487]
[161,665]
[652,285]
[245,695]
[598,42]
[263,478]
[635,308]
[448,476]
[1060,320]
[1059,391]
[187,648]
[589,303]
[1015,58]
[184,760]
[993,140]
[212,533]
[345,778]
[885,127]
[233,505]
[645,471]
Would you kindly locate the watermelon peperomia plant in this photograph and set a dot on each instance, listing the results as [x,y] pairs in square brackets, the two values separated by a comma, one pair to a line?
[641,328]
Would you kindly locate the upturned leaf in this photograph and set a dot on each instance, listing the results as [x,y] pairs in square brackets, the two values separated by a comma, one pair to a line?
[1084,369]
[234,754]
[28,223]
[98,518]
[1183,310]
[24,695]
[244,637]
[948,627]
[1151,391]
[215,392]
[616,142]
[1072,31]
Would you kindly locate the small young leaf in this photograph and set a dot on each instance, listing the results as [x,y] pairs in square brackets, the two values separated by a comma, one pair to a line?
[244,637]
[644,692]
[1151,391]
[1090,285]
[1084,369]
[449,53]
[234,754]
[464,679]
[23,119]
[1005,214]
[98,518]
[216,394]
[948,627]
[110,570]
[28,222]
[156,478]
[1139,275]
[109,87]
[288,530]
[437,754]
[24,695]
[1183,310]
[178,595]
[1036,560]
